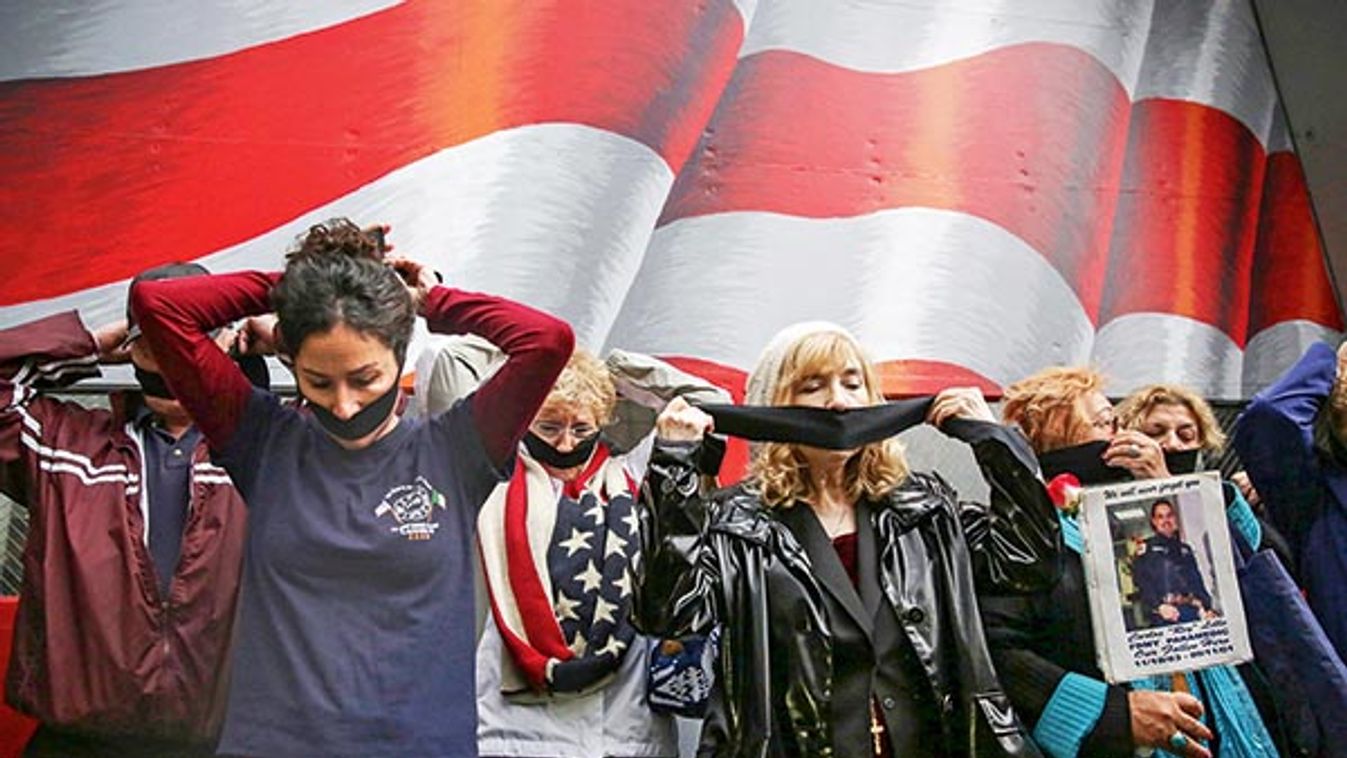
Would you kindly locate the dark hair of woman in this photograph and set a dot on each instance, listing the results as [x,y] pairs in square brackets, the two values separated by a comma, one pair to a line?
[336,275]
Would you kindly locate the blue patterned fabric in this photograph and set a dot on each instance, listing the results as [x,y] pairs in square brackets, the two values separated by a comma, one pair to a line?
[682,673]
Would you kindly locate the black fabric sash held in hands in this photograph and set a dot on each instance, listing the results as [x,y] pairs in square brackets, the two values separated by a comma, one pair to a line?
[818,427]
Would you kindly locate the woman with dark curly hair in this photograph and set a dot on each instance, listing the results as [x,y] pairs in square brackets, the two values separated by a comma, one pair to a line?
[355,630]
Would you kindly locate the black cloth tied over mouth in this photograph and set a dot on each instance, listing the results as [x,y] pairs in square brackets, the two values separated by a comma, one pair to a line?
[1086,462]
[819,427]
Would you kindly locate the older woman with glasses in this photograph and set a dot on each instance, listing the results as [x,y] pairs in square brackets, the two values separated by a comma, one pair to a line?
[560,669]
[1182,423]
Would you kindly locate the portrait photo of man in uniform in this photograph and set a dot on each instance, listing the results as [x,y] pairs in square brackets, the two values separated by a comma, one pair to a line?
[1165,570]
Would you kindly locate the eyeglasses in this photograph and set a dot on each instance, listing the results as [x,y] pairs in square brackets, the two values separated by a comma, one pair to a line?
[552,430]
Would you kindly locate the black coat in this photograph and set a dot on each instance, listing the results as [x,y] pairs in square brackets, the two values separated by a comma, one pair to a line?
[1036,640]
[726,559]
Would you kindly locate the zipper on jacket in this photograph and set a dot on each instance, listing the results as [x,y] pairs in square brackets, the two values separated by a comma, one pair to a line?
[164,608]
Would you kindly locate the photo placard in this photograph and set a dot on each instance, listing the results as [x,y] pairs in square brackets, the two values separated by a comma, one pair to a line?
[1164,597]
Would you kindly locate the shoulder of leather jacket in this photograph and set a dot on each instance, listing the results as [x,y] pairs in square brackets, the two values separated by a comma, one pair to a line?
[739,512]
[985,436]
[920,496]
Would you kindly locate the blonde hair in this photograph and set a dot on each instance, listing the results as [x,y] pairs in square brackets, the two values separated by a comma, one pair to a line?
[1133,411]
[585,383]
[779,472]
[1045,405]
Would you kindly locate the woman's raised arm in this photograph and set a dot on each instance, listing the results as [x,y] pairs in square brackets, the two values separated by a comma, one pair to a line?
[176,316]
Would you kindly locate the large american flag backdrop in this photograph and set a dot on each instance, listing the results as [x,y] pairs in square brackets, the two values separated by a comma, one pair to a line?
[978,189]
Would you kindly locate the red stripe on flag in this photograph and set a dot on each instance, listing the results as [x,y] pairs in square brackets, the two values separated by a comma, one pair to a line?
[1289,257]
[535,607]
[532,663]
[1187,217]
[1030,137]
[728,378]
[128,170]
[902,378]
[910,378]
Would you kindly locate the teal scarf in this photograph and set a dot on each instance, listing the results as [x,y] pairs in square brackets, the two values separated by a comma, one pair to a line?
[1230,707]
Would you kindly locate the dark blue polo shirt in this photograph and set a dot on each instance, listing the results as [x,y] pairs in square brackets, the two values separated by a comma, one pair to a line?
[167,483]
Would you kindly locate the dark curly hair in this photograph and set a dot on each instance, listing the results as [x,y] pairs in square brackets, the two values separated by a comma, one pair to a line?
[336,275]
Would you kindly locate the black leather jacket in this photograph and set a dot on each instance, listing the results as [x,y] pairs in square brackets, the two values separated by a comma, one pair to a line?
[726,559]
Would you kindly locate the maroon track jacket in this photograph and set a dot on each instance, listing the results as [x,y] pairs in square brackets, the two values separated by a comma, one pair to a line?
[96,646]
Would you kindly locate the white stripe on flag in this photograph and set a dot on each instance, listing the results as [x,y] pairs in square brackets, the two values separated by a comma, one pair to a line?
[92,37]
[912,283]
[1279,138]
[1141,348]
[1276,348]
[1210,54]
[894,37]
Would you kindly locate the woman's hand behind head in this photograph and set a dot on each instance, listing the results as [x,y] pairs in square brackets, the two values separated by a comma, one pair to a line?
[112,342]
[257,336]
[418,277]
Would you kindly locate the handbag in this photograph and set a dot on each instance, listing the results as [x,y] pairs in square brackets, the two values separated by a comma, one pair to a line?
[1292,651]
[682,674]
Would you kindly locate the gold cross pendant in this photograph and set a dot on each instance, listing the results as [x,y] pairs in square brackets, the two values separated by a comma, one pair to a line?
[876,733]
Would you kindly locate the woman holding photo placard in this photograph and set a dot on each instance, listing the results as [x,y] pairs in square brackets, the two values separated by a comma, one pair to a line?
[1044,644]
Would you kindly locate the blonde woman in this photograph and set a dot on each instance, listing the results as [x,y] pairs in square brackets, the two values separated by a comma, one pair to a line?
[842,581]
[1178,419]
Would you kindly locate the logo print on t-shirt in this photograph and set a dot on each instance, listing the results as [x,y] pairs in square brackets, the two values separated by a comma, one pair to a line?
[412,505]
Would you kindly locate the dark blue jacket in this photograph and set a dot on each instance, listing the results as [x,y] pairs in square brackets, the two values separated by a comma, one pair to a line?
[1167,567]
[1304,487]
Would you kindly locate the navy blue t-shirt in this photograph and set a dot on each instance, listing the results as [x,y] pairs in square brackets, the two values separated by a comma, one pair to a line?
[355,634]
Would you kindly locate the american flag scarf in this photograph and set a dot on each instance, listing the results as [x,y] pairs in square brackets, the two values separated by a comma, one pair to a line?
[559,572]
